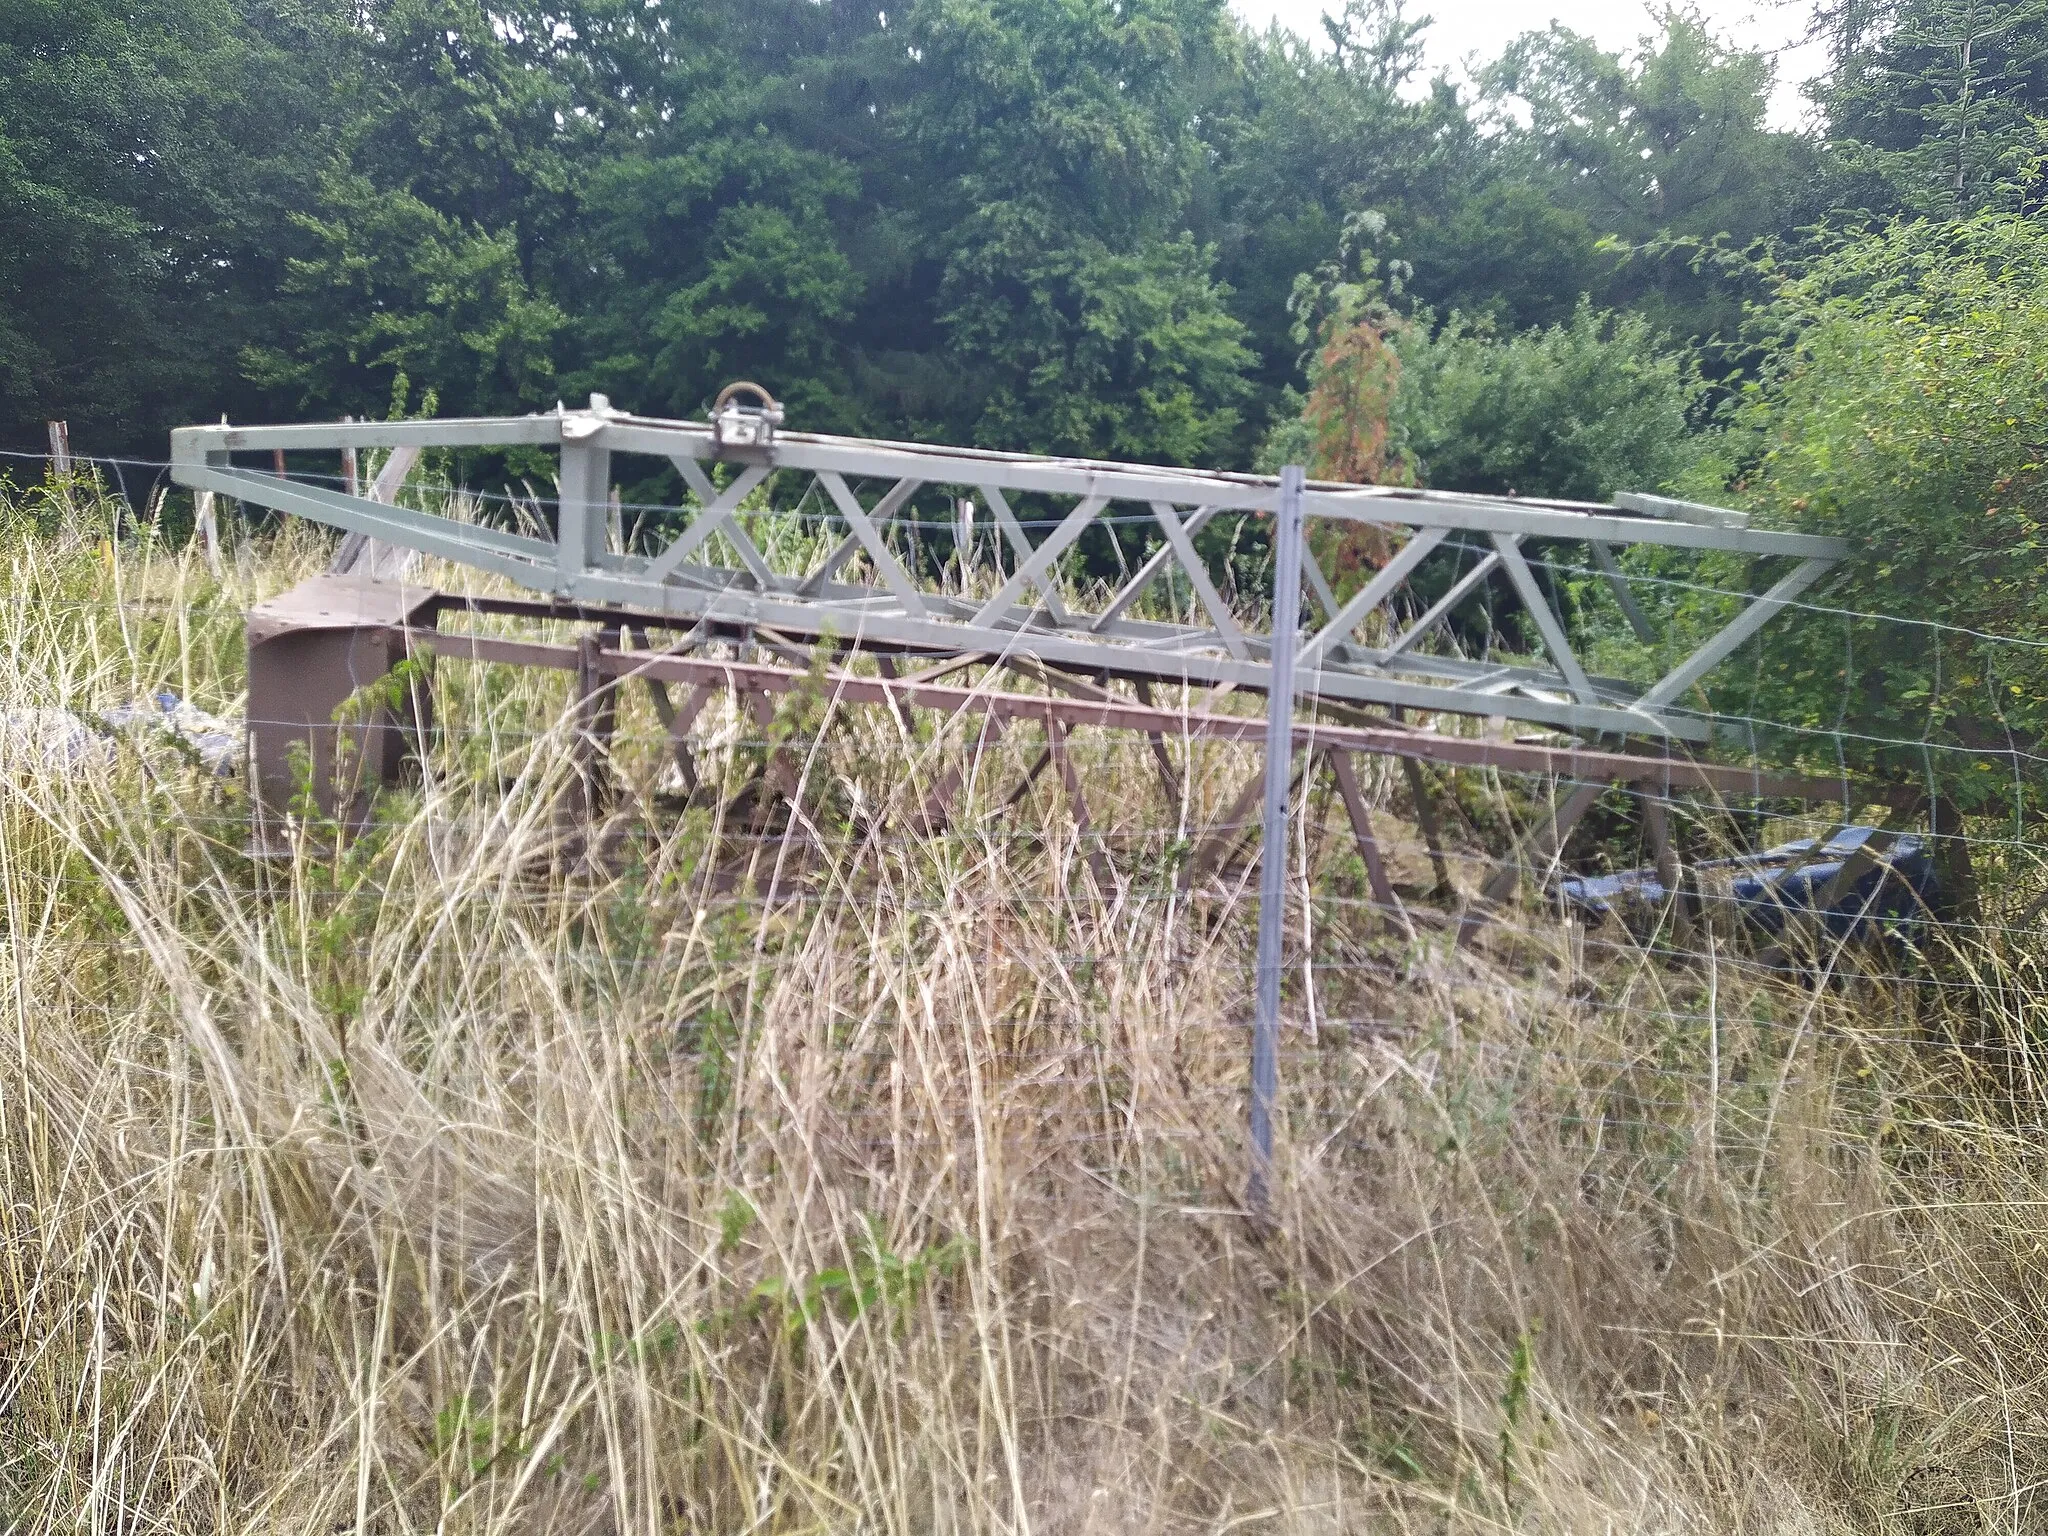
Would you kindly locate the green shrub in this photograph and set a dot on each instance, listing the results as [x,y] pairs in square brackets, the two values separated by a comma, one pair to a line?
[1902,409]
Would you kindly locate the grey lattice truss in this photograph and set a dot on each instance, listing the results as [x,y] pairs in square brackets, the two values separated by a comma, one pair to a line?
[1368,648]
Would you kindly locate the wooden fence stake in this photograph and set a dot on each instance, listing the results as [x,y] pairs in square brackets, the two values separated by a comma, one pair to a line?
[60,450]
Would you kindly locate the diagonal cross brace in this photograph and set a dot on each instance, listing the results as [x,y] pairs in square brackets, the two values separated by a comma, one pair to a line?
[1318,583]
[1617,581]
[524,560]
[716,516]
[1032,572]
[378,559]
[1198,576]
[1197,519]
[891,503]
[1147,573]
[894,577]
[1372,594]
[1555,640]
[1745,624]
[1441,608]
[1020,546]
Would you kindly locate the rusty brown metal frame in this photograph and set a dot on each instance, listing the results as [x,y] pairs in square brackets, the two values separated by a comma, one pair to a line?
[318,728]
[1666,772]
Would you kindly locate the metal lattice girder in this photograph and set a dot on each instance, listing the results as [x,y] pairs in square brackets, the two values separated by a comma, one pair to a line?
[895,605]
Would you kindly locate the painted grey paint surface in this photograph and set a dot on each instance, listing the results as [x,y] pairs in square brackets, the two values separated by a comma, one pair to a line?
[1351,654]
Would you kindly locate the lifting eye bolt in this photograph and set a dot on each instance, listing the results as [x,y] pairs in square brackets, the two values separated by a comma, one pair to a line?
[744,427]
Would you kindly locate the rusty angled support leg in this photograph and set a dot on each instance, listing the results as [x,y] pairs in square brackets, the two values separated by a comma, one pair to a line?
[677,722]
[1432,828]
[1229,829]
[1539,847]
[1669,874]
[935,811]
[1169,777]
[782,775]
[886,665]
[1342,769]
[595,710]
[1038,765]
[1057,745]
[1220,837]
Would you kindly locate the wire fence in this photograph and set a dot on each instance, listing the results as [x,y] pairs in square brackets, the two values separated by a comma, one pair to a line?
[1366,991]
[1597,1023]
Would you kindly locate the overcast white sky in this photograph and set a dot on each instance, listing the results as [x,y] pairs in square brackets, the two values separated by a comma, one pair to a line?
[1467,27]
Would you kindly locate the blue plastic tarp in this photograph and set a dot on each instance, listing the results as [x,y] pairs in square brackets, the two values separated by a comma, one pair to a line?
[1767,887]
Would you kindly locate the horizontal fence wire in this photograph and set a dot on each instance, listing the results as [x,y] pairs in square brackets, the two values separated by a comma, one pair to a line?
[1812,737]
[1451,543]
[1599,1036]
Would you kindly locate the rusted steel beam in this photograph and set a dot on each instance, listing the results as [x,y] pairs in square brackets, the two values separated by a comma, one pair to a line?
[1224,833]
[1543,843]
[1077,804]
[780,771]
[1361,831]
[1432,828]
[677,722]
[1657,821]
[935,811]
[1578,763]
[1038,766]
[596,703]
[1169,776]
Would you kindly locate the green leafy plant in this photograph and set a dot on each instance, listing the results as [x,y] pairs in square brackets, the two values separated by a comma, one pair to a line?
[1901,410]
[876,1279]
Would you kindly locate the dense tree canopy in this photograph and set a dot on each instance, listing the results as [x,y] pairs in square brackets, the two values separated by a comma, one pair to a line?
[150,156]
[1066,226]
[1903,408]
[1130,228]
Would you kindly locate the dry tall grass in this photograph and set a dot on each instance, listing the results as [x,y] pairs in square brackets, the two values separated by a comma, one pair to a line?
[420,1188]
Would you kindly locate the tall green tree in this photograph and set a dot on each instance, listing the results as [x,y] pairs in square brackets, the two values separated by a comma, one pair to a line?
[967,219]
[1306,135]
[1063,148]
[431,239]
[1902,410]
[1595,404]
[1938,110]
[150,156]
[1668,142]
[740,207]
[394,288]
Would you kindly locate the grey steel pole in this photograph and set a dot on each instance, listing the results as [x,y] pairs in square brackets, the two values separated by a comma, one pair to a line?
[1273,854]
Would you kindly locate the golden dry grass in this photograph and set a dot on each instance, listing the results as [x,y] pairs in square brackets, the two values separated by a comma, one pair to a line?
[420,1188]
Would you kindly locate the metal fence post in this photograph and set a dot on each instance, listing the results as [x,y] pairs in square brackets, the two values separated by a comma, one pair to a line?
[1273,854]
